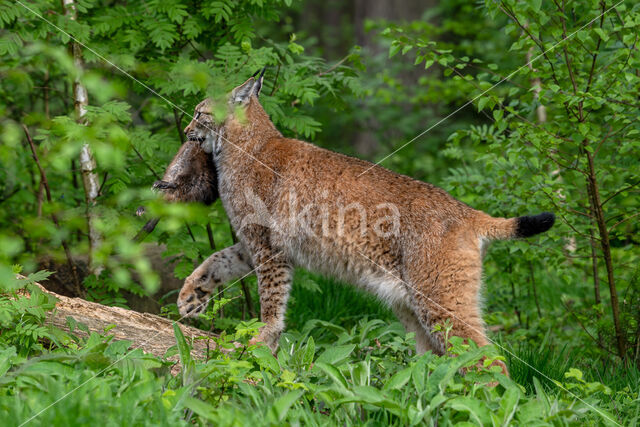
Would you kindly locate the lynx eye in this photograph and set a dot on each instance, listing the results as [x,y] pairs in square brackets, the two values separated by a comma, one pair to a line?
[197,115]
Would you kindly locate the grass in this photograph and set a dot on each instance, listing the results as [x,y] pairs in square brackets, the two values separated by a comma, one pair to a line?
[546,363]
[317,297]
[359,371]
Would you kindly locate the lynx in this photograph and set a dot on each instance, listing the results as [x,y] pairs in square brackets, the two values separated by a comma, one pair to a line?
[294,204]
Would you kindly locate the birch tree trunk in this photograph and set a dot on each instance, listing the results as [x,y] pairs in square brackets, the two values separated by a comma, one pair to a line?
[90,179]
[536,84]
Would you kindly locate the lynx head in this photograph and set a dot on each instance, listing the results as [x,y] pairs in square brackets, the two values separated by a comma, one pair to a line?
[206,128]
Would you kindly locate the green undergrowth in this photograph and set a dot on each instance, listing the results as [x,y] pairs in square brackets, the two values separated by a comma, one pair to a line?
[323,373]
[317,297]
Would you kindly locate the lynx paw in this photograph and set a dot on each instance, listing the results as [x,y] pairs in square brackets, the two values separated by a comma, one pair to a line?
[266,338]
[193,298]
[163,185]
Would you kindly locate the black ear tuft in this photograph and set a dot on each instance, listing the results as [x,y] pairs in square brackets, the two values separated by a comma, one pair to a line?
[258,85]
[256,73]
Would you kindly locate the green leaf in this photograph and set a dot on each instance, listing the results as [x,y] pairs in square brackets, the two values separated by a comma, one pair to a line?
[535,5]
[281,406]
[185,355]
[333,373]
[394,49]
[336,355]
[600,32]
[478,411]
[201,408]
[310,351]
[509,404]
[482,102]
[265,359]
[398,380]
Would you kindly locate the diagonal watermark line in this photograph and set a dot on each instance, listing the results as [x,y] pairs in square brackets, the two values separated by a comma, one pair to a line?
[144,85]
[147,341]
[491,88]
[452,314]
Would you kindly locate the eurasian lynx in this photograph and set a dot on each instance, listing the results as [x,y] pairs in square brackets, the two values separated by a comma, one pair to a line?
[295,204]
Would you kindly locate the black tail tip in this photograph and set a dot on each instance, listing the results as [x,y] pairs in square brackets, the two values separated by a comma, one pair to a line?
[528,226]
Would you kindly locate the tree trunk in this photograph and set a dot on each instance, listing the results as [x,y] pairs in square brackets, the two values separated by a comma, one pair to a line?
[87,162]
[44,183]
[605,246]
[153,334]
[365,141]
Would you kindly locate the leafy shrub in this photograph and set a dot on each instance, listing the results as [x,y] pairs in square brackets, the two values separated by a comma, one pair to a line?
[322,373]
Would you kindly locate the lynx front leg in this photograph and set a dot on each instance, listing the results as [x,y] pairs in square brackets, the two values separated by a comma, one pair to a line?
[275,275]
[221,267]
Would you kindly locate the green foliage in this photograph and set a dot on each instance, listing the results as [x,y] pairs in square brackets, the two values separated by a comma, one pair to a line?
[343,359]
[324,374]
[22,320]
[575,159]
[146,66]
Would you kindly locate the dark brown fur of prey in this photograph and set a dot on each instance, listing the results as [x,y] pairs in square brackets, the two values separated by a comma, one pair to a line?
[190,177]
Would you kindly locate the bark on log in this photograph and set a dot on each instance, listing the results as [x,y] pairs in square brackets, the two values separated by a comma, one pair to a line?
[153,334]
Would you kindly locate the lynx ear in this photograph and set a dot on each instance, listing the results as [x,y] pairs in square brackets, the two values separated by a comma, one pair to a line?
[242,93]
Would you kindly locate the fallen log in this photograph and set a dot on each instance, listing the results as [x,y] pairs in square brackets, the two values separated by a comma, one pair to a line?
[153,334]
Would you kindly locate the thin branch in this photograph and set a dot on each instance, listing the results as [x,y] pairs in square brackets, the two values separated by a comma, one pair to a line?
[623,221]
[104,181]
[197,51]
[626,62]
[567,59]
[539,43]
[146,230]
[566,221]
[535,292]
[212,243]
[8,196]
[586,331]
[275,81]
[145,162]
[43,179]
[178,120]
[620,191]
[333,67]
[193,238]
[595,55]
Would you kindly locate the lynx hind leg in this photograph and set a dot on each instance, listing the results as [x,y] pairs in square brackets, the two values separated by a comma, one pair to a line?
[411,324]
[454,296]
[221,267]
